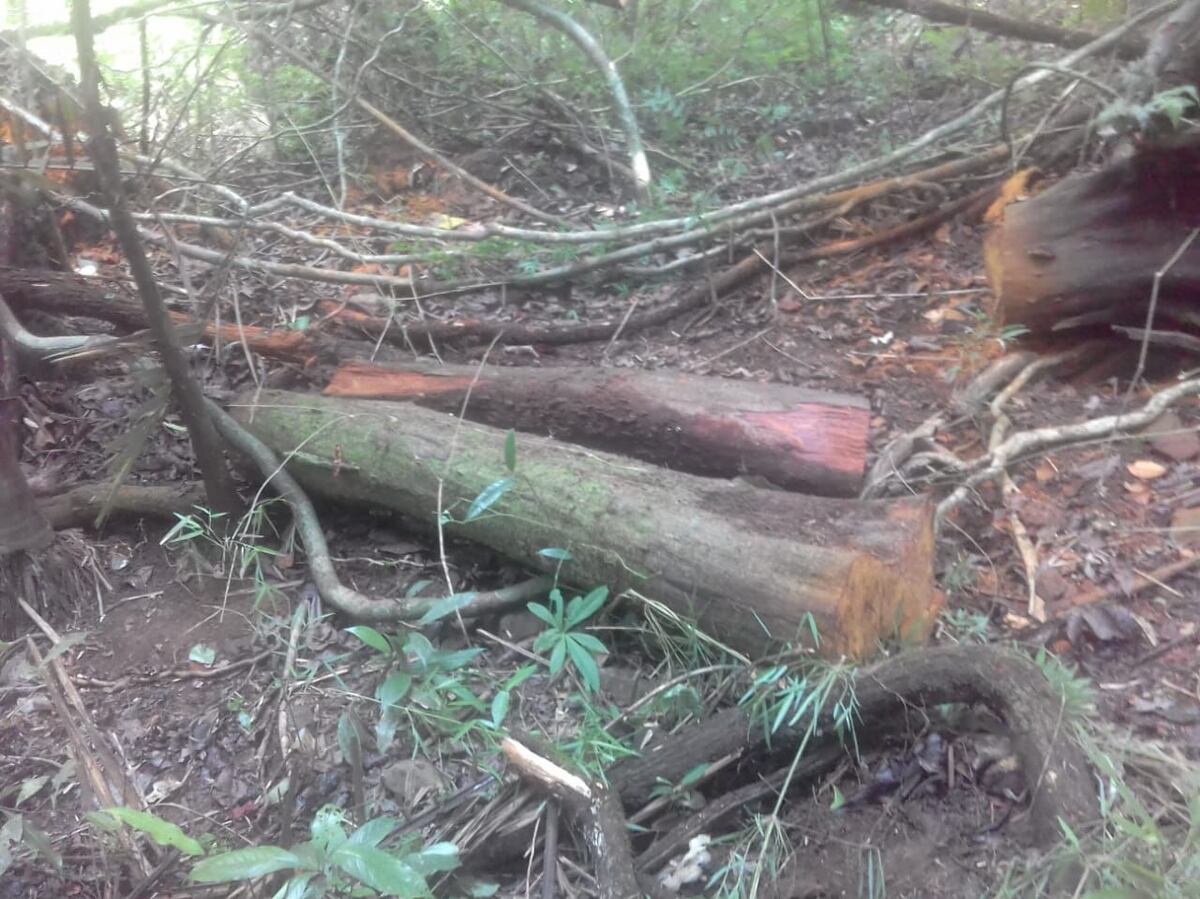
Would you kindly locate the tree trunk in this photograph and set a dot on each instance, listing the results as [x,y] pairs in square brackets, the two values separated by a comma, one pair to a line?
[802,440]
[755,568]
[1086,251]
[218,483]
[22,527]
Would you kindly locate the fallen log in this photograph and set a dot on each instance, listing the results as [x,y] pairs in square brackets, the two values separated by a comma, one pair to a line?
[755,568]
[1087,250]
[802,440]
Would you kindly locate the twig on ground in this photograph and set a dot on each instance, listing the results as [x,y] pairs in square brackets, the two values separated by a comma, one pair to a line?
[1025,546]
[1026,443]
[1143,582]
[599,813]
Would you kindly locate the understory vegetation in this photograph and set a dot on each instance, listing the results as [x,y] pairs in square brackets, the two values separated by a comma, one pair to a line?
[385,697]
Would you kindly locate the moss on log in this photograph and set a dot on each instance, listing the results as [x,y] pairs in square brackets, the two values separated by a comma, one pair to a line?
[755,568]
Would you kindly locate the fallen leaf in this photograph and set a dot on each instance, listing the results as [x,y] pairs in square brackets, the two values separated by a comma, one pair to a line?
[1146,469]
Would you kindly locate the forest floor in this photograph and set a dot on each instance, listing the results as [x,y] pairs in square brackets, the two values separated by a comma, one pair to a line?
[179,657]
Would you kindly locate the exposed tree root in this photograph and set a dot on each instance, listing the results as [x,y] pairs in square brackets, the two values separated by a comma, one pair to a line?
[350,602]
[83,504]
[1007,683]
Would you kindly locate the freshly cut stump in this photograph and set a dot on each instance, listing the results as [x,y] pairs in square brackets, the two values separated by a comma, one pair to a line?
[1085,252]
[754,568]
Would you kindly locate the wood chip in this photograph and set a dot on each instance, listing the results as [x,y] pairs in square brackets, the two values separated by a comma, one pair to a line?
[1146,469]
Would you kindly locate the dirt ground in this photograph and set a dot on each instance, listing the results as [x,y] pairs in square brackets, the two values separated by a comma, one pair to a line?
[912,332]
[182,668]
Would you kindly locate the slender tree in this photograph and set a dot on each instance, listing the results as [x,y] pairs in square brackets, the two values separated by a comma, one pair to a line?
[218,483]
[23,529]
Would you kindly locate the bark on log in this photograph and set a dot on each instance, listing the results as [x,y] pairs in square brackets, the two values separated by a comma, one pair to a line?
[751,566]
[1086,251]
[802,440]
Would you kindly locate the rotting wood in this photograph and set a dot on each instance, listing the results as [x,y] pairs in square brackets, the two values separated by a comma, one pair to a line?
[756,568]
[803,440]
[1085,252]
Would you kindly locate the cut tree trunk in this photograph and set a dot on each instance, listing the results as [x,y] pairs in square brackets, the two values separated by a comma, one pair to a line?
[1085,252]
[755,568]
[802,440]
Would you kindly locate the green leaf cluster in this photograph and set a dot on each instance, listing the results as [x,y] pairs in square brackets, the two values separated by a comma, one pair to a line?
[564,637]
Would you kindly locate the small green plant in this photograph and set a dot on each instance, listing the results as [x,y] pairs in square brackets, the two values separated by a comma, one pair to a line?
[593,749]
[241,549]
[425,685]
[564,638]
[965,626]
[336,863]
[19,838]
[682,792]
[1166,111]
[1079,698]
[759,851]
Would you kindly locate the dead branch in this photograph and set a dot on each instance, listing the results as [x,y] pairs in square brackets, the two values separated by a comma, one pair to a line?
[751,265]
[616,87]
[1130,46]
[81,505]
[597,812]
[1028,443]
[109,781]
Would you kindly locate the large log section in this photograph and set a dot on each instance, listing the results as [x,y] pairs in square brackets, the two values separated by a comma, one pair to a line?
[749,565]
[1086,251]
[802,440]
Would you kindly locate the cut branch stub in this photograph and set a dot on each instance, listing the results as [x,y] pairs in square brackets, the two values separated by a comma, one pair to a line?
[756,568]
